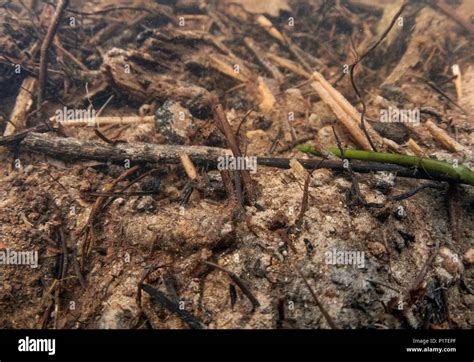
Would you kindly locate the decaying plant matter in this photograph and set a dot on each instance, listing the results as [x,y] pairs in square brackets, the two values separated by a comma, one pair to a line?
[237,164]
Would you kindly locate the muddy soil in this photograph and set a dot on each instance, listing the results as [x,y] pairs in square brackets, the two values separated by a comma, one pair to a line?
[407,264]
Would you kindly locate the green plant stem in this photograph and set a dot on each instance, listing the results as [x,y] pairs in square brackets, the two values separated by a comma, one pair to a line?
[459,172]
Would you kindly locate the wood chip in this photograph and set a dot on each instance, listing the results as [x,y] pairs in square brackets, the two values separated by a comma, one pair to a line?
[268,99]
[446,140]
[348,122]
[23,104]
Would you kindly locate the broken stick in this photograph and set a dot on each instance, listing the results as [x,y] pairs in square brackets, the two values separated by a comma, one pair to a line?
[72,148]
[348,122]
[43,72]
[446,140]
[23,104]
[336,98]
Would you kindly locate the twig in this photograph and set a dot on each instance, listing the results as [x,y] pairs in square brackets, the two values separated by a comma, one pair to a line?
[238,188]
[424,269]
[70,56]
[43,73]
[105,139]
[288,64]
[266,24]
[355,189]
[72,148]
[105,11]
[454,212]
[173,307]
[359,59]
[444,95]
[106,120]
[23,103]
[446,9]
[304,202]
[188,166]
[65,252]
[239,282]
[359,96]
[125,188]
[89,227]
[459,172]
[223,65]
[414,147]
[243,120]
[384,285]
[446,140]
[385,33]
[275,141]
[292,144]
[326,315]
[77,268]
[346,119]
[224,125]
[267,98]
[120,193]
[263,60]
[413,192]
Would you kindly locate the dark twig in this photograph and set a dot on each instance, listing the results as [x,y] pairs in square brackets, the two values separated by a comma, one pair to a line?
[355,189]
[224,126]
[444,95]
[96,208]
[292,144]
[105,11]
[326,315]
[424,269]
[413,192]
[130,184]
[361,99]
[233,295]
[239,282]
[43,73]
[77,268]
[304,202]
[277,138]
[384,285]
[19,136]
[243,120]
[144,276]
[65,253]
[173,307]
[454,212]
[359,59]
[238,188]
[120,193]
[444,7]
[107,140]
[385,33]
[72,148]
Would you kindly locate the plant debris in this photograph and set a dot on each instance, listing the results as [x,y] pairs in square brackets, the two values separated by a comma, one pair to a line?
[257,165]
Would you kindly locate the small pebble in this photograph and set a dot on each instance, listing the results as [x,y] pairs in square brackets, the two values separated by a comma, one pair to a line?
[469,256]
[146,203]
[119,201]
